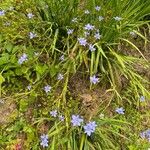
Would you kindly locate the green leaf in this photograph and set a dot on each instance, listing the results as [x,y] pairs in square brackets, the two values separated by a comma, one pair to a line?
[40,69]
[2,79]
[23,105]
[53,70]
[4,59]
[9,47]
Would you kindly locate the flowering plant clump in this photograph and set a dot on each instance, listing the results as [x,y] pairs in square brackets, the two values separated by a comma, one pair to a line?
[61,75]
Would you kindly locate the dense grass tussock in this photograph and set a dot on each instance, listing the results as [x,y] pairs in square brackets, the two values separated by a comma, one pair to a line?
[74,75]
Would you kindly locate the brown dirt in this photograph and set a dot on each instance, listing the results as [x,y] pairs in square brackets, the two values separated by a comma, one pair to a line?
[7,111]
[90,100]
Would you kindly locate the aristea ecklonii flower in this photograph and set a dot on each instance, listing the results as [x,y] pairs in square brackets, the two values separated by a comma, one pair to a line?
[94,79]
[60,76]
[32,35]
[29,87]
[142,98]
[61,117]
[133,34]
[91,47]
[100,18]
[97,36]
[69,31]
[2,12]
[89,27]
[82,41]
[47,88]
[86,11]
[30,15]
[53,113]
[75,20]
[120,110]
[97,8]
[117,18]
[36,53]
[90,128]
[76,120]
[23,58]
[145,135]
[44,140]
[62,58]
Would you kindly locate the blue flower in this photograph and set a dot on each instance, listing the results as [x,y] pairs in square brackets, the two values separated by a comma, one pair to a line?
[30,15]
[61,118]
[32,35]
[44,140]
[62,58]
[86,12]
[94,79]
[2,12]
[142,98]
[100,18]
[36,53]
[97,8]
[133,34]
[69,31]
[29,87]
[145,135]
[53,113]
[47,88]
[90,128]
[82,41]
[89,27]
[60,76]
[75,20]
[91,47]
[23,58]
[120,110]
[117,18]
[76,120]
[7,23]
[148,133]
[97,35]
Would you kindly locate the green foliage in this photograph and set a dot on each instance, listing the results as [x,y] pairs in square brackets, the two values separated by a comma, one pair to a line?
[53,51]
